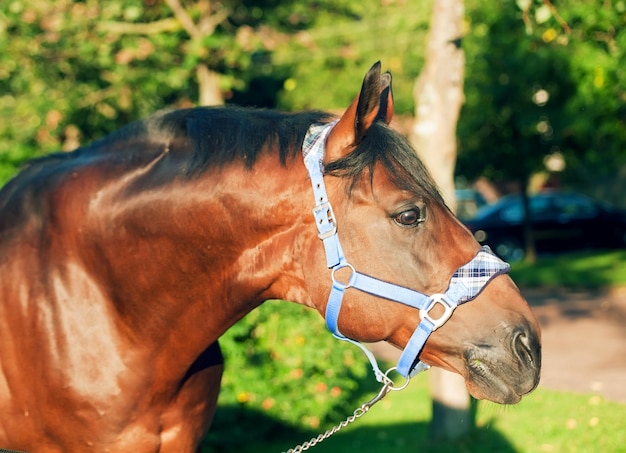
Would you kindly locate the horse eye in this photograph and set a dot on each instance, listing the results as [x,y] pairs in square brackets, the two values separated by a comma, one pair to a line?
[409,218]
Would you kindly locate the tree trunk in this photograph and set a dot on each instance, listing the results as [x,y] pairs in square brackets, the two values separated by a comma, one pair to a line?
[209,92]
[454,412]
[438,98]
[439,95]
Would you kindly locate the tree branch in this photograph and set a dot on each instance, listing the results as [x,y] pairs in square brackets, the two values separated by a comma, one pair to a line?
[185,20]
[209,23]
[151,28]
[557,16]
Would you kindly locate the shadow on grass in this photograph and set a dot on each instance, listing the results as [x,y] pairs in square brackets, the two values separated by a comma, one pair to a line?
[253,431]
[239,428]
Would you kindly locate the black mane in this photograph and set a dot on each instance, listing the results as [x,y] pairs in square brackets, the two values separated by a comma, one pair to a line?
[214,136]
[395,153]
[218,135]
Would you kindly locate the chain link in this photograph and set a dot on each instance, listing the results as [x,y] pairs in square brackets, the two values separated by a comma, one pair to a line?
[359,412]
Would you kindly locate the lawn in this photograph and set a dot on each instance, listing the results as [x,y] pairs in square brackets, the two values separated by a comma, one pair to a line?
[545,421]
[587,269]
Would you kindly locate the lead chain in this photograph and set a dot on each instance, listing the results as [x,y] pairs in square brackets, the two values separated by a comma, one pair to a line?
[359,412]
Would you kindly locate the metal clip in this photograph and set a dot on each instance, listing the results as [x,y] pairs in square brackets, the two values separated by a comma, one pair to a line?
[383,392]
[447,310]
[325,220]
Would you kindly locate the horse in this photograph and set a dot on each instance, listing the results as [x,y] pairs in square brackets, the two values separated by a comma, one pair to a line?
[124,261]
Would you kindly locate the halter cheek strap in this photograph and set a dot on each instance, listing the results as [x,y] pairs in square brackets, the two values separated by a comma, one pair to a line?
[465,285]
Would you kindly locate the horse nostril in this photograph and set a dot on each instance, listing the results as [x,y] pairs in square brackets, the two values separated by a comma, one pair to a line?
[522,347]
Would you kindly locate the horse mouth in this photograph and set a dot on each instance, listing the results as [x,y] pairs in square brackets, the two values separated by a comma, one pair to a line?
[501,378]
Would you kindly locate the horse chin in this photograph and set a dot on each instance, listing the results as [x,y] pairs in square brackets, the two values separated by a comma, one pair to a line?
[497,379]
[492,389]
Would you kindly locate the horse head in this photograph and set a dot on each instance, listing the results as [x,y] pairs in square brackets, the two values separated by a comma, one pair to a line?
[402,267]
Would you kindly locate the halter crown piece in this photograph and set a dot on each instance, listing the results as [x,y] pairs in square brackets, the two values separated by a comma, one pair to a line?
[465,285]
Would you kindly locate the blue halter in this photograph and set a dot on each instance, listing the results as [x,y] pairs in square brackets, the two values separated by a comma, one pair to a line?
[465,285]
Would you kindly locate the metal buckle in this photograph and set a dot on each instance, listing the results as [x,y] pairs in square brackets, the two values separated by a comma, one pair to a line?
[447,311]
[325,220]
[350,279]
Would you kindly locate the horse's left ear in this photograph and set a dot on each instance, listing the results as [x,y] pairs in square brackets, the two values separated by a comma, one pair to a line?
[374,102]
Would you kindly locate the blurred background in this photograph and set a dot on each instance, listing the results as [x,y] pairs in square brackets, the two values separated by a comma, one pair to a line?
[537,170]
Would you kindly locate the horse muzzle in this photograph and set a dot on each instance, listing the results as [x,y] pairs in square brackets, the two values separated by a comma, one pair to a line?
[506,367]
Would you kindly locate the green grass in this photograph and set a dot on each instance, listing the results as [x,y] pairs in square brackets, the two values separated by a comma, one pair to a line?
[545,421]
[591,270]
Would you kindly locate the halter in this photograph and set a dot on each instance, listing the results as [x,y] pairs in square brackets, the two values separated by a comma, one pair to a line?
[465,285]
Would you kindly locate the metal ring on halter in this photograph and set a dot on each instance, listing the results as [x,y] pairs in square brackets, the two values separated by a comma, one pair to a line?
[350,280]
[437,299]
[389,382]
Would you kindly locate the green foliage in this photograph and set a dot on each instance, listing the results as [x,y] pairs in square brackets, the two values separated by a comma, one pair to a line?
[282,363]
[544,80]
[72,71]
[64,76]
[539,79]
[327,63]
[596,133]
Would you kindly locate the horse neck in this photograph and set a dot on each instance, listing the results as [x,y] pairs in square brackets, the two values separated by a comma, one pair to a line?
[192,257]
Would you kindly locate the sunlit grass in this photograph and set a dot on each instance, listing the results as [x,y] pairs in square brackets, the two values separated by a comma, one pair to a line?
[589,269]
[545,421]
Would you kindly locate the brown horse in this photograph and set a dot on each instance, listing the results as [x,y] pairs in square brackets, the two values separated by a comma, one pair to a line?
[123,262]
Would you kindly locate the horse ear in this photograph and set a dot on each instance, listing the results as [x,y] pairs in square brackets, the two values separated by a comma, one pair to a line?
[385,112]
[364,110]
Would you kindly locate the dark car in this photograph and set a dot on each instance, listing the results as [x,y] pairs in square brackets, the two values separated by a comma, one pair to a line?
[561,222]
[468,202]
